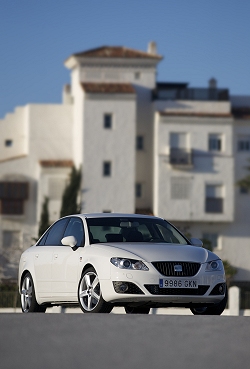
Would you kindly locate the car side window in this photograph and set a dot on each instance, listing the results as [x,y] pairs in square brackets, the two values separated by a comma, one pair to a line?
[56,233]
[75,228]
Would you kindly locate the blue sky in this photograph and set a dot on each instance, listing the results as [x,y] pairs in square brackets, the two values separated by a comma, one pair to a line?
[199,39]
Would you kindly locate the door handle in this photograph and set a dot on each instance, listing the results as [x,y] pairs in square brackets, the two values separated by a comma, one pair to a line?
[55,256]
[36,255]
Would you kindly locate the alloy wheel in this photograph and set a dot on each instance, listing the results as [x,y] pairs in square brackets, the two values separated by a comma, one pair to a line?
[89,291]
[26,294]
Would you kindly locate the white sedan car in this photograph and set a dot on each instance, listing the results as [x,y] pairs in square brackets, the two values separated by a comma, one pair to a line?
[136,261]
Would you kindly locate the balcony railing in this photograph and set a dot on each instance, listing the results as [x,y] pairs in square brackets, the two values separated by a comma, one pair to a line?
[163,92]
[181,157]
[214,205]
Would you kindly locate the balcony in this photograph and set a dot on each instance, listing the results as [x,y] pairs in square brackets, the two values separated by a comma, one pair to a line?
[168,91]
[181,157]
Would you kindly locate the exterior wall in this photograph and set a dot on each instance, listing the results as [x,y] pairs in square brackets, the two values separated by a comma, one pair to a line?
[14,127]
[236,239]
[184,106]
[121,72]
[52,182]
[114,193]
[39,132]
[50,132]
[78,127]
[24,226]
[144,158]
[208,168]
[142,75]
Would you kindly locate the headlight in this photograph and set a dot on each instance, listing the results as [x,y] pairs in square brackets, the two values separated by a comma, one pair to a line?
[128,264]
[214,266]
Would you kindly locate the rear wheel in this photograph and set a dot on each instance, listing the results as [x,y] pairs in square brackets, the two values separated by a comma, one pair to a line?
[216,309]
[136,310]
[28,296]
[90,295]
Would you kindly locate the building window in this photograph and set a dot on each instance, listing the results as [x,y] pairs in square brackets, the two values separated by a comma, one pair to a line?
[214,199]
[139,142]
[107,121]
[244,143]
[8,143]
[106,168]
[12,196]
[211,241]
[215,142]
[138,190]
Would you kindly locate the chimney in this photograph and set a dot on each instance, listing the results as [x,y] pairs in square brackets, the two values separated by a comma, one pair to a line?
[152,48]
[212,83]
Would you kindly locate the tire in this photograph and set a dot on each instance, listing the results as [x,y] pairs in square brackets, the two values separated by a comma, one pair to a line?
[217,309]
[90,295]
[28,296]
[136,310]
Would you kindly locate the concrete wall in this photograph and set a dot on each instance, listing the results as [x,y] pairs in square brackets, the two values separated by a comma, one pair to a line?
[208,168]
[14,127]
[50,131]
[117,145]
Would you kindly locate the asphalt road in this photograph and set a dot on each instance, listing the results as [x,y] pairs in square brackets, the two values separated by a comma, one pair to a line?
[69,341]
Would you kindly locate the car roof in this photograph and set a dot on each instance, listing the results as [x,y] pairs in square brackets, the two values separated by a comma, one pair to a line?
[114,215]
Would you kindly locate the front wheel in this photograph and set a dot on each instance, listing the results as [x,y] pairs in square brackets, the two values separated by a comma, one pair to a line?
[137,310]
[28,296]
[90,295]
[217,309]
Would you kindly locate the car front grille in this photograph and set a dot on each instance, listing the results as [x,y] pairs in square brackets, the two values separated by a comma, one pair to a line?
[154,289]
[167,268]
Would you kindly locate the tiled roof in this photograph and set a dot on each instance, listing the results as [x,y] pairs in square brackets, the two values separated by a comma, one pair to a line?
[56,163]
[108,88]
[116,52]
[186,114]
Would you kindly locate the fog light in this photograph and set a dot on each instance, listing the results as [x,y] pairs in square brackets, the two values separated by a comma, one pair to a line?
[123,287]
[221,289]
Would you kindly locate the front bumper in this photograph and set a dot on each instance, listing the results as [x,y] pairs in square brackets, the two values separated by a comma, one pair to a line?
[143,287]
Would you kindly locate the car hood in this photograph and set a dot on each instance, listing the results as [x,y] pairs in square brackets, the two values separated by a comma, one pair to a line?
[161,252]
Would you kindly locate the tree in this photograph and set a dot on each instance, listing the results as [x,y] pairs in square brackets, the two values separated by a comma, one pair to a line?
[44,221]
[70,197]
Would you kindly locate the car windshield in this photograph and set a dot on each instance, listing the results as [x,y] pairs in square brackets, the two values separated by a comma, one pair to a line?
[133,229]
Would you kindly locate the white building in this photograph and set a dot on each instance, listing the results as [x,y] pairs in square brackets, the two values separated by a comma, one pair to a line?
[143,146]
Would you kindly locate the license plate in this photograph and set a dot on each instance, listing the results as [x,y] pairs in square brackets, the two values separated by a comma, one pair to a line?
[178,283]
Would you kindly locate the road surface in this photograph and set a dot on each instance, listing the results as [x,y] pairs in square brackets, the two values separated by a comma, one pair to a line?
[119,341]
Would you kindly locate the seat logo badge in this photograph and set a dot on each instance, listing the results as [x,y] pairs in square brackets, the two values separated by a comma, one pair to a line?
[178,268]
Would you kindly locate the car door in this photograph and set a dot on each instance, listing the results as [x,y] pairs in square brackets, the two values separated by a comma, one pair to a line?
[43,257]
[66,263]
[42,265]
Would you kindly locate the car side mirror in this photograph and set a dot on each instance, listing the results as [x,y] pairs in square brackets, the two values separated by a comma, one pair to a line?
[196,242]
[69,241]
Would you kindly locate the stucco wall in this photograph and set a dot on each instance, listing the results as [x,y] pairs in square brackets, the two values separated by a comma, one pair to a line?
[208,168]
[117,145]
